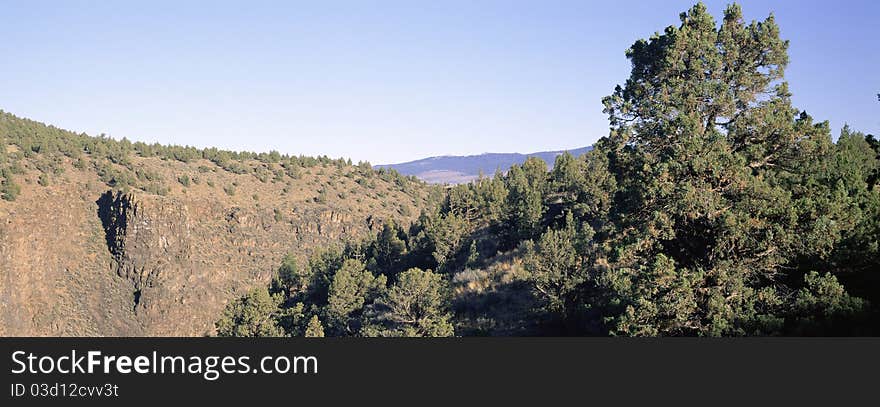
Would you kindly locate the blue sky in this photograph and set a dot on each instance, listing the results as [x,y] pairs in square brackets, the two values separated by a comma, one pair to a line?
[384,81]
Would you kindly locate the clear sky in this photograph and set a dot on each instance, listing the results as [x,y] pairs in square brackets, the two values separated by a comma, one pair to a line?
[384,81]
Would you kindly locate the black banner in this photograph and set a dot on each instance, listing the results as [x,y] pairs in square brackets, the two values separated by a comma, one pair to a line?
[464,371]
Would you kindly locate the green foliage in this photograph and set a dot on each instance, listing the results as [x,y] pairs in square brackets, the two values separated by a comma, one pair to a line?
[473,256]
[387,251]
[254,315]
[854,169]
[156,188]
[417,305]
[441,236]
[291,278]
[724,188]
[9,190]
[823,305]
[524,201]
[353,288]
[557,270]
[184,180]
[321,198]
[582,186]
[492,195]
[314,329]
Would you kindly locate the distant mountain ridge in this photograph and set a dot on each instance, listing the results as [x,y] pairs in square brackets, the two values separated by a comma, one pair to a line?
[449,169]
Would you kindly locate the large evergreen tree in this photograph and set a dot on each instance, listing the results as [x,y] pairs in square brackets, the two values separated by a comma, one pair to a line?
[719,195]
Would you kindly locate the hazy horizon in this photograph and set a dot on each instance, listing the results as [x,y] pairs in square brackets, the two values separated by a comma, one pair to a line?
[384,84]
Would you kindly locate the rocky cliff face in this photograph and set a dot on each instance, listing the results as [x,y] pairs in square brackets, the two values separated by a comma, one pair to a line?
[79,259]
[70,287]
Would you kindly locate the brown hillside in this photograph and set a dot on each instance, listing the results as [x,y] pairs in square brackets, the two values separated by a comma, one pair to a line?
[163,255]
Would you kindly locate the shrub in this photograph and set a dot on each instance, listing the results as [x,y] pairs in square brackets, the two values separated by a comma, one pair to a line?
[9,190]
[183,180]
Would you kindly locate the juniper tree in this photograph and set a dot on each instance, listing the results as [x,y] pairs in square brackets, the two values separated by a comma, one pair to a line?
[314,329]
[439,236]
[9,190]
[557,269]
[492,195]
[416,305]
[254,315]
[353,288]
[292,279]
[716,174]
[387,251]
[524,202]
[567,180]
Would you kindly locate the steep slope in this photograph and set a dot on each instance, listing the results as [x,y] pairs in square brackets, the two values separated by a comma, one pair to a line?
[104,237]
[462,169]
